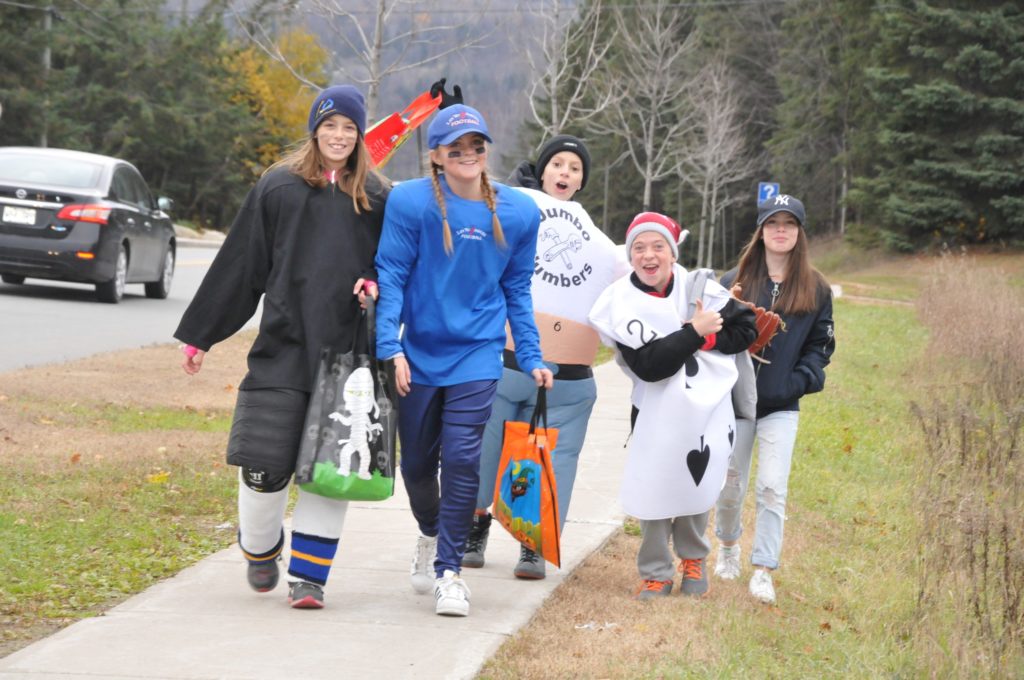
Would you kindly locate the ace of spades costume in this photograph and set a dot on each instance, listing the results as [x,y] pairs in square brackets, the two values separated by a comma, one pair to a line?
[679,450]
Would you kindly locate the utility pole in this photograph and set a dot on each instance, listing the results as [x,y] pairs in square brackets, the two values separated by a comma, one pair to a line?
[47,28]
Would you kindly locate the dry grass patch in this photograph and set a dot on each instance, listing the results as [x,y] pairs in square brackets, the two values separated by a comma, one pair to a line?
[971,488]
[591,627]
[593,610]
[142,378]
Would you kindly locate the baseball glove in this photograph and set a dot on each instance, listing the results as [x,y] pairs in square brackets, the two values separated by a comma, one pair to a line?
[768,324]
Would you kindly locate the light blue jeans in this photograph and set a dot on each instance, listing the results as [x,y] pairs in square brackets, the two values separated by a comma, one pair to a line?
[776,436]
[569,405]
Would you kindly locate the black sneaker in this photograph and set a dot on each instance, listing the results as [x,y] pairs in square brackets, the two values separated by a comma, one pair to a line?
[263,576]
[476,543]
[530,566]
[305,595]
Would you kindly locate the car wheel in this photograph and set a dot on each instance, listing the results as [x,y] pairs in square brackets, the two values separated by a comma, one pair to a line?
[162,288]
[113,290]
[12,279]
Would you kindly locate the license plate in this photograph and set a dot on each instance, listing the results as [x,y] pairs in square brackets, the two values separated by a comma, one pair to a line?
[15,215]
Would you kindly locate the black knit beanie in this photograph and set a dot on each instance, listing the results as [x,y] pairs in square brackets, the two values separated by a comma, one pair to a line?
[343,99]
[564,143]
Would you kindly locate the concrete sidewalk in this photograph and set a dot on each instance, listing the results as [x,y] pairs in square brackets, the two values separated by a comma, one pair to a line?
[205,623]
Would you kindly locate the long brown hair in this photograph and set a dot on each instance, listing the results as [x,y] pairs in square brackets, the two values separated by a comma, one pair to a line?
[306,161]
[489,198]
[804,284]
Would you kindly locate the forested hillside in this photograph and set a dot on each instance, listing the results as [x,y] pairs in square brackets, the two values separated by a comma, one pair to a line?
[900,122]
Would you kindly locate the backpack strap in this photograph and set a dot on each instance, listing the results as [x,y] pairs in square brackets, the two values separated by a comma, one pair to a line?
[696,280]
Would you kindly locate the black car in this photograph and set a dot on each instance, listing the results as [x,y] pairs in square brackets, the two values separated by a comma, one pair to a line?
[75,216]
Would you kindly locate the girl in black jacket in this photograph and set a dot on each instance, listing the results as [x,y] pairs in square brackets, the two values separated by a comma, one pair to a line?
[774,272]
[304,241]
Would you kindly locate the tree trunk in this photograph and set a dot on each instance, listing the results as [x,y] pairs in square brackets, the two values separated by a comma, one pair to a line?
[703,222]
[844,181]
[648,169]
[713,212]
[373,92]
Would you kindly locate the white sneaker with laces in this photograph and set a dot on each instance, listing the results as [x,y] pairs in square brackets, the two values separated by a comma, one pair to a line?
[761,586]
[451,595]
[422,571]
[727,566]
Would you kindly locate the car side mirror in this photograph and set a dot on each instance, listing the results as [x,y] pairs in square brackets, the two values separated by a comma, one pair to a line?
[165,204]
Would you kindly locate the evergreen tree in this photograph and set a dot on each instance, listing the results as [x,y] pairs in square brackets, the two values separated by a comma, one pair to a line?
[134,81]
[820,74]
[22,41]
[948,96]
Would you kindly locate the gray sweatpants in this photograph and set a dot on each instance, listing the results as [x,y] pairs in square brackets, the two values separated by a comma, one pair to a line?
[655,560]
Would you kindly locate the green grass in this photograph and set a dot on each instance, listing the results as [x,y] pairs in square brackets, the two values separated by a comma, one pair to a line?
[83,534]
[849,593]
[604,354]
[90,534]
[123,419]
[847,588]
[120,419]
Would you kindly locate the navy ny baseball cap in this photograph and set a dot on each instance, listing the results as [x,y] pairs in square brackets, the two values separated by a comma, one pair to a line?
[780,203]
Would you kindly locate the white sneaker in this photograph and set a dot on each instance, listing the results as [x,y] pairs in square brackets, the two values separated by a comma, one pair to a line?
[761,586]
[422,571]
[451,594]
[727,566]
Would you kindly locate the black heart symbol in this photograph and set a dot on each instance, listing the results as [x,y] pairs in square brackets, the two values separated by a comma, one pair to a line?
[697,461]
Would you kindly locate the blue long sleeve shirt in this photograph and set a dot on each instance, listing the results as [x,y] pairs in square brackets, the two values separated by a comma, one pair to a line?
[454,307]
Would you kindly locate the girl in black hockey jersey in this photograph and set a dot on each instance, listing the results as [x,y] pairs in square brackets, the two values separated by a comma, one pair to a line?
[304,241]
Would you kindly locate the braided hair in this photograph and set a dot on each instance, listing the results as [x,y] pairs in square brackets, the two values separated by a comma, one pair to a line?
[489,198]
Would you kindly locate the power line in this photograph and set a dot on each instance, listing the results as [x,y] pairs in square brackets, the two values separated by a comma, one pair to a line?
[482,11]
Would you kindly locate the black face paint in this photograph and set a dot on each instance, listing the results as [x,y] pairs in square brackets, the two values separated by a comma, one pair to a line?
[456,153]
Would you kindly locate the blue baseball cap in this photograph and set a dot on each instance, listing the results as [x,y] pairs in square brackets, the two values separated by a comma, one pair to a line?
[780,203]
[454,121]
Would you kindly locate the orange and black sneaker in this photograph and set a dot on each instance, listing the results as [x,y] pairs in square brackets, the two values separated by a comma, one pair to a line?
[695,578]
[650,589]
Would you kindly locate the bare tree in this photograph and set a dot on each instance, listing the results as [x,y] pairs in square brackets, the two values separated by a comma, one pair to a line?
[653,114]
[562,86]
[380,39]
[714,156]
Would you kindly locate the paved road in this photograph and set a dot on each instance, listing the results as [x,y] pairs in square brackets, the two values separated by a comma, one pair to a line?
[43,322]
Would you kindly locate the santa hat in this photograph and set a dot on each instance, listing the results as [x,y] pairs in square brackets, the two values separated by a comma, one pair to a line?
[662,224]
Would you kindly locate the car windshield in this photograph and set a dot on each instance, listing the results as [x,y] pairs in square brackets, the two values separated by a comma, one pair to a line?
[65,172]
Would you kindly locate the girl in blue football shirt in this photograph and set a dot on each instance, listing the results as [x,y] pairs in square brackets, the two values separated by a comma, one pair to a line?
[455,263]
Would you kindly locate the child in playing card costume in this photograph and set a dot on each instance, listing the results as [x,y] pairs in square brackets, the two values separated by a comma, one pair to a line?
[774,272]
[683,424]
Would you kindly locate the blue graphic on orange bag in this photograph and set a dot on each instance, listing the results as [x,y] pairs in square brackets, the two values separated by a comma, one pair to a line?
[520,491]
